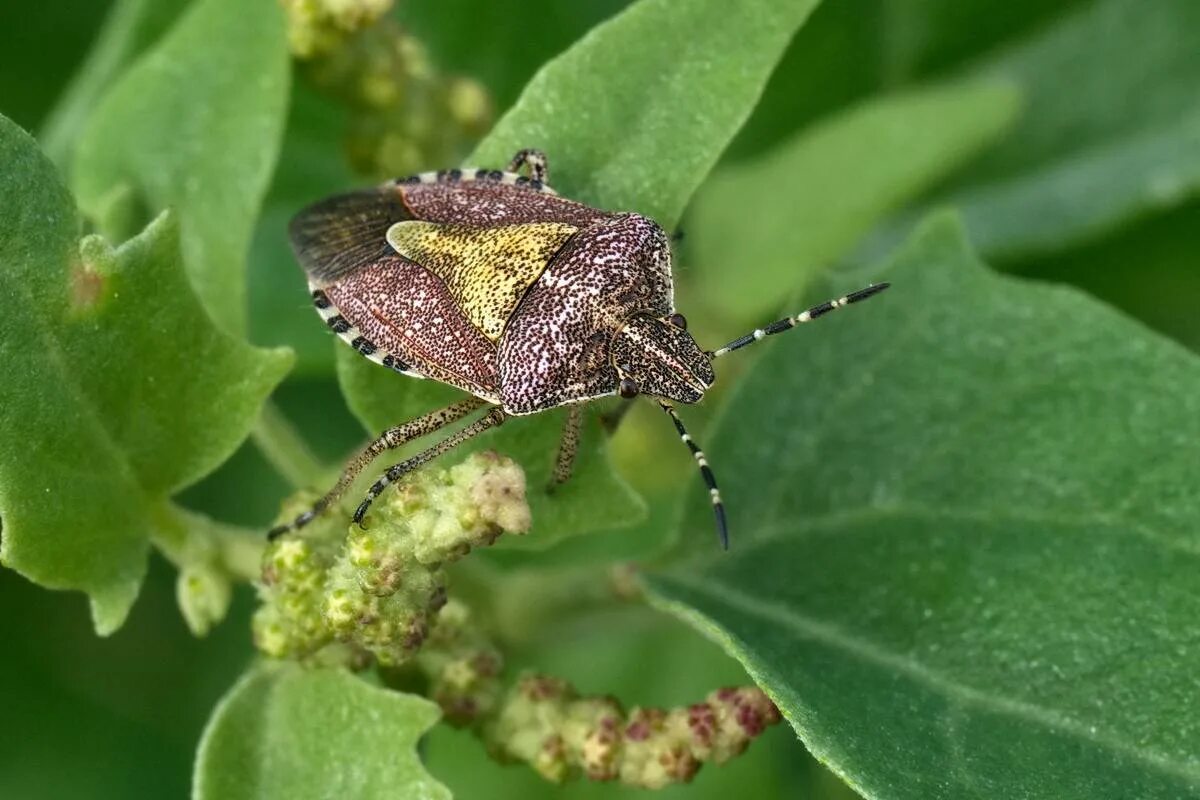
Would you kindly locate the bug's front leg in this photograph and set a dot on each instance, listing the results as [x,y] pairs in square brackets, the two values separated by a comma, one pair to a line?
[539,169]
[388,440]
[397,471]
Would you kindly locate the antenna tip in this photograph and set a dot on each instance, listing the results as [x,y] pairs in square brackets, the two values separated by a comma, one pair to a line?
[873,289]
[722,527]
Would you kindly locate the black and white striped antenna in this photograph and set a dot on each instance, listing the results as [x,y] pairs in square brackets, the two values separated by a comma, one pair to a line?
[706,472]
[787,323]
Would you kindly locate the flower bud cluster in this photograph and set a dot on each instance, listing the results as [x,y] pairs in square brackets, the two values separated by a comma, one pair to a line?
[463,667]
[404,114]
[316,27]
[376,591]
[544,723]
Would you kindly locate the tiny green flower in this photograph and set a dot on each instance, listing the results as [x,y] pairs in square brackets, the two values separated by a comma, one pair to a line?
[316,27]
[545,723]
[377,591]
[203,592]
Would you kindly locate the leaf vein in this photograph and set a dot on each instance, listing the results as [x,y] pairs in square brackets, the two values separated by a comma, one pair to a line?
[844,522]
[955,691]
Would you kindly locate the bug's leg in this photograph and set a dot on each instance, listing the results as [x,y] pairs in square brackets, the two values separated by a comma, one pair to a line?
[539,170]
[611,420]
[787,323]
[706,472]
[388,440]
[397,471]
[567,447]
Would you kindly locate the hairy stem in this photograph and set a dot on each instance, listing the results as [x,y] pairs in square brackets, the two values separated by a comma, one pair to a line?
[210,557]
[519,605]
[283,446]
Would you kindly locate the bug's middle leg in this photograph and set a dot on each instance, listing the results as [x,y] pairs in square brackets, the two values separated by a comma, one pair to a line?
[539,170]
[568,445]
[389,440]
[397,471]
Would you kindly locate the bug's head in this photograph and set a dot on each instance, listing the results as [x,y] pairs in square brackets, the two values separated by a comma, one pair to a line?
[657,356]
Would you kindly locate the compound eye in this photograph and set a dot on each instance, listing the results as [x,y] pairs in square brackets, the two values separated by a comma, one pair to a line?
[678,320]
[629,388]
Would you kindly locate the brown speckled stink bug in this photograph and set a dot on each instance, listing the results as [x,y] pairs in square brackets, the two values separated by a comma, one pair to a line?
[492,283]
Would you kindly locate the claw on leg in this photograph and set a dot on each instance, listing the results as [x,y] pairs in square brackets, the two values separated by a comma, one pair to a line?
[390,439]
[397,471]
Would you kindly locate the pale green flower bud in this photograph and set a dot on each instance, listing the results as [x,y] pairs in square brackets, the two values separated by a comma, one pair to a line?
[203,592]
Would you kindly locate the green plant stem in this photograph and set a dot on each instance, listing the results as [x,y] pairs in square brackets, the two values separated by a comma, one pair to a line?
[519,606]
[183,537]
[241,555]
[282,445]
[170,535]
[115,45]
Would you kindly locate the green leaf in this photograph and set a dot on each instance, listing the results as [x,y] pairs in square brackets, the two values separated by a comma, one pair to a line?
[1147,270]
[41,51]
[617,115]
[965,539]
[512,52]
[129,28]
[1111,130]
[194,125]
[287,731]
[118,392]
[776,220]
[636,113]
[280,303]
[854,49]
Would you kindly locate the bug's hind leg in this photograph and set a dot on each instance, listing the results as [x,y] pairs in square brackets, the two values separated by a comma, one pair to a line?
[388,440]
[397,471]
[568,445]
[539,170]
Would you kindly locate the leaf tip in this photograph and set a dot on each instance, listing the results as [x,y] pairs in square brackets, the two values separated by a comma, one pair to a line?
[110,605]
[942,231]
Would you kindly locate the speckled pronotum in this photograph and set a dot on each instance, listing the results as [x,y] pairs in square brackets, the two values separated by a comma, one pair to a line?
[489,281]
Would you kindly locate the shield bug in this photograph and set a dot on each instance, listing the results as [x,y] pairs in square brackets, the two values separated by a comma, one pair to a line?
[491,282]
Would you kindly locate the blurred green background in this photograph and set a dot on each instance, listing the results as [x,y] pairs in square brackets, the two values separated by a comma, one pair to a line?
[120,717]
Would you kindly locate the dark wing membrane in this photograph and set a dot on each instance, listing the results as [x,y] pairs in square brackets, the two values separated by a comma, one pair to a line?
[340,234]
